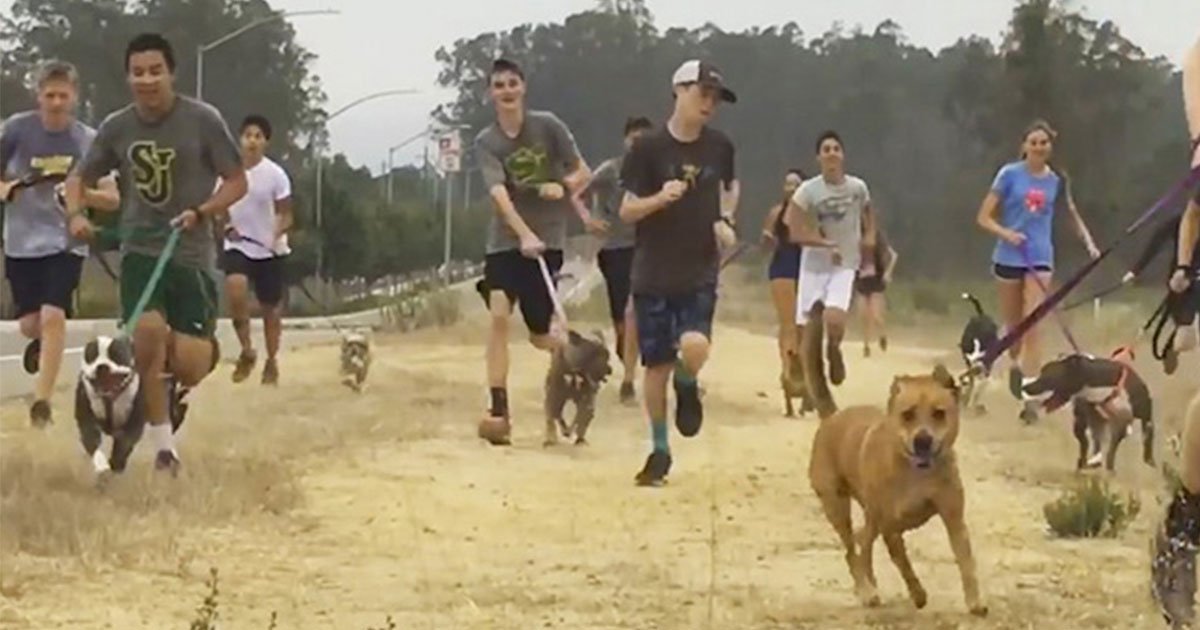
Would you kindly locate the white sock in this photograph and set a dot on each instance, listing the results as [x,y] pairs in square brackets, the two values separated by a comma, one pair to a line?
[160,436]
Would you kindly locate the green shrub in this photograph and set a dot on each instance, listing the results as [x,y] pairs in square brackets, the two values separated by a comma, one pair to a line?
[1091,510]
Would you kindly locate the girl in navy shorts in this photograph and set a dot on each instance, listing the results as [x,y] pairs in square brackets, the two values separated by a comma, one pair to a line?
[784,271]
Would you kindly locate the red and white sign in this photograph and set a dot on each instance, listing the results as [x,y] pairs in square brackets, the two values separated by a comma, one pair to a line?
[449,152]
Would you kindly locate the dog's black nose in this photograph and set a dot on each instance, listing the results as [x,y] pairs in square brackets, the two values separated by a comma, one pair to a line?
[922,443]
[103,371]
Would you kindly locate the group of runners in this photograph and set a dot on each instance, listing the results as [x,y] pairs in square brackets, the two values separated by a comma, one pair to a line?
[168,163]
[666,210]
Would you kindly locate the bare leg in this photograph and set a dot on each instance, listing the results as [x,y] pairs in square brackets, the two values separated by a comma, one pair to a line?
[238,294]
[631,343]
[497,345]
[53,332]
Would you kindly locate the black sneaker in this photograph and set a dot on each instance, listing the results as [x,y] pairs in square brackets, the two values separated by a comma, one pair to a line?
[32,359]
[167,461]
[1015,380]
[689,413]
[883,344]
[654,473]
[837,365]
[628,395]
[40,415]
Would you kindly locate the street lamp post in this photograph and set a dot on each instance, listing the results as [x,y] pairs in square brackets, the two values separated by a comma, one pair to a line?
[320,168]
[391,154]
[200,50]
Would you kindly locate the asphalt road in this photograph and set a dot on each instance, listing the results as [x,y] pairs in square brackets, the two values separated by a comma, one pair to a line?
[298,331]
[15,382]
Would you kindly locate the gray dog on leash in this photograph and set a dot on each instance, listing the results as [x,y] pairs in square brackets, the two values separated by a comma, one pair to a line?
[577,370]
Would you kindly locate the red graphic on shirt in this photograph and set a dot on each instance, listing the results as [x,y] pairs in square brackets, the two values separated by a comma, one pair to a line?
[1035,200]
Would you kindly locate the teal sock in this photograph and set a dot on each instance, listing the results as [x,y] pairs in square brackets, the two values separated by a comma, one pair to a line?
[682,375]
[658,429]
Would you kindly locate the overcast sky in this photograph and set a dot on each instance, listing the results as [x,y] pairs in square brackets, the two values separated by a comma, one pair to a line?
[382,44]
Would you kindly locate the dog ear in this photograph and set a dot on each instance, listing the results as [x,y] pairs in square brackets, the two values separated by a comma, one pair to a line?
[893,392]
[574,337]
[945,378]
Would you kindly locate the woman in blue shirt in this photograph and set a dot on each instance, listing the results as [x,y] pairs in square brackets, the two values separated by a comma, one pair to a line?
[1019,210]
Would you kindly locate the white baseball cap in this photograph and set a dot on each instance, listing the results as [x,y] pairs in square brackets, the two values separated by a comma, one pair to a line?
[704,73]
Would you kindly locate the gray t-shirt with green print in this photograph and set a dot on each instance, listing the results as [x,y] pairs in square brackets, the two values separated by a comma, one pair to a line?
[543,152]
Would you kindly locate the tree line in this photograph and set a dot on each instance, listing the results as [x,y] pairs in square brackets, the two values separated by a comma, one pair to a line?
[926,129]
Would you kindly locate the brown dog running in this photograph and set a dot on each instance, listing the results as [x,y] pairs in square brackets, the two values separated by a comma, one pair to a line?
[901,468]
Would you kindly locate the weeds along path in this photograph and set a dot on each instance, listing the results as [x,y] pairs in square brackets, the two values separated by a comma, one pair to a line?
[336,510]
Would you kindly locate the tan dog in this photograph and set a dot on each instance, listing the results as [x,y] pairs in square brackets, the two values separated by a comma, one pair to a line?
[901,468]
[356,360]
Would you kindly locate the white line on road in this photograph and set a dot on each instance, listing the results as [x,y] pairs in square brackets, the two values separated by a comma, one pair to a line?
[14,357]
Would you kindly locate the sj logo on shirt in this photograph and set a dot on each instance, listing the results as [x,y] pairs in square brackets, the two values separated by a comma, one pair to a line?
[152,171]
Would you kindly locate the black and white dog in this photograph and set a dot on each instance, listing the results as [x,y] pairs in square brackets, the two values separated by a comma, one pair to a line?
[109,401]
[1107,396]
[978,335]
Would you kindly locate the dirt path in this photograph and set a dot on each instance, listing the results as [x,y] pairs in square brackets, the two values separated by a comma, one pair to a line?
[336,510]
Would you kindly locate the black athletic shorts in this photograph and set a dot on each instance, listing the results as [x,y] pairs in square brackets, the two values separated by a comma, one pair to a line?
[1008,272]
[48,280]
[617,267]
[869,285]
[264,274]
[520,278]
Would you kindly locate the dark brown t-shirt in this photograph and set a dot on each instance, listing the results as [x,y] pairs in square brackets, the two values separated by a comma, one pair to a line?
[675,249]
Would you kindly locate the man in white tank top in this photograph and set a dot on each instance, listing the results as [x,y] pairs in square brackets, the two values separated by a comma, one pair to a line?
[255,247]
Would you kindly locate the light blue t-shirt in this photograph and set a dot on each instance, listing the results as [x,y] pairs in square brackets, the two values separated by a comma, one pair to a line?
[35,224]
[1027,205]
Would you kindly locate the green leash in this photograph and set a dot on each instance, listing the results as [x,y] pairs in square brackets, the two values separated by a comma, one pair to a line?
[160,266]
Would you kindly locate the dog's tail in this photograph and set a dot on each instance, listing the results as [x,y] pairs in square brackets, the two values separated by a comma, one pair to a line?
[815,379]
[974,302]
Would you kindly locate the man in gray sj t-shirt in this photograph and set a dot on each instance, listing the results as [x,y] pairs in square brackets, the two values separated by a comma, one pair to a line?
[41,262]
[616,255]
[533,172]
[170,150]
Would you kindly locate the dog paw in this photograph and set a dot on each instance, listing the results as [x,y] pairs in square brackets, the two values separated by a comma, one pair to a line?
[919,597]
[580,441]
[103,479]
[979,610]
[869,597]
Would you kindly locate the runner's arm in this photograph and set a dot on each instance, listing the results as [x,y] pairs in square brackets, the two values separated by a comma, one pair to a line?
[1189,233]
[104,197]
[802,226]
[988,217]
[1081,228]
[1191,97]
[284,217]
[869,235]
[891,268]
[772,216]
[98,162]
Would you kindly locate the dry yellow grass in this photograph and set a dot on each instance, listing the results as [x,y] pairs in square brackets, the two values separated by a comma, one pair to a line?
[336,509]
